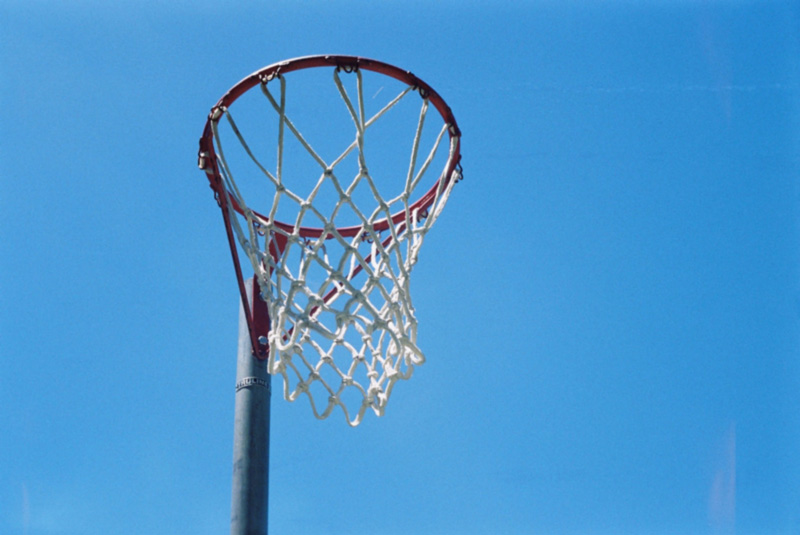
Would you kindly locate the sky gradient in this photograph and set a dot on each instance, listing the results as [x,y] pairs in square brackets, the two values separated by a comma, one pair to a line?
[609,304]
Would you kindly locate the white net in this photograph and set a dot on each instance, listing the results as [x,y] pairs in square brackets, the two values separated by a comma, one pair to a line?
[343,325]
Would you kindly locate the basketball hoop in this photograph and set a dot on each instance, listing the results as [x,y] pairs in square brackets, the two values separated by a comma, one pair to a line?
[330,246]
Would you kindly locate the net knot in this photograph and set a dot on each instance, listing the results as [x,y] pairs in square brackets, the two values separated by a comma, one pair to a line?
[391,371]
[298,285]
[374,394]
[315,301]
[379,324]
[342,319]
[349,250]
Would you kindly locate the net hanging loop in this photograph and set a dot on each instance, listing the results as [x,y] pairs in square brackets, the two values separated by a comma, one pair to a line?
[340,325]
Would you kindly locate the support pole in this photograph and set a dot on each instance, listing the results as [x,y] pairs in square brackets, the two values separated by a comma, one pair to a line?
[251,434]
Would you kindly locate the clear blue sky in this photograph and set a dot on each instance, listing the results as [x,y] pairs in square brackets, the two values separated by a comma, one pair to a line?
[609,304]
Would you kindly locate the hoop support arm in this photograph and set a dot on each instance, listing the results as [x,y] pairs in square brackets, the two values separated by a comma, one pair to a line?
[256,313]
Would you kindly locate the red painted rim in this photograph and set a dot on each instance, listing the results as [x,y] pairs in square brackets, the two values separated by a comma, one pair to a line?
[208,157]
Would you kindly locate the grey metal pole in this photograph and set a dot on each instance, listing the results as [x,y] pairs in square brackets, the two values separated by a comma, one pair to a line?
[250,438]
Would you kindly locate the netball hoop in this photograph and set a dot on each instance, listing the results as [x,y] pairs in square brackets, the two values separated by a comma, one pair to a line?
[329,177]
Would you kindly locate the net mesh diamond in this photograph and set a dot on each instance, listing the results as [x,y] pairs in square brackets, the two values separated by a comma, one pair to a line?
[343,324]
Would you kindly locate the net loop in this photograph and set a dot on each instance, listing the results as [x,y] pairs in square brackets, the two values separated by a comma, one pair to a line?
[347,67]
[265,78]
